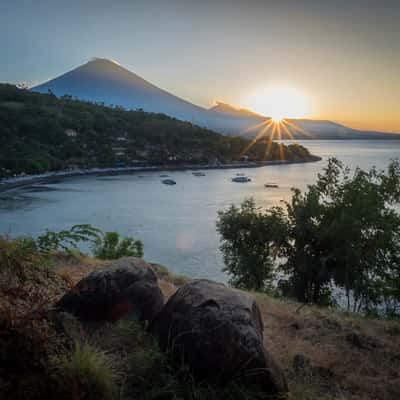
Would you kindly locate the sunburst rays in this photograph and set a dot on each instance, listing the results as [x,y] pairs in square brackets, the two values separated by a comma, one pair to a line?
[273,131]
[297,128]
[261,135]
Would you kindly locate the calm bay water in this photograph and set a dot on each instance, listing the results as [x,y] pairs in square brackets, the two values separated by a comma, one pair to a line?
[175,223]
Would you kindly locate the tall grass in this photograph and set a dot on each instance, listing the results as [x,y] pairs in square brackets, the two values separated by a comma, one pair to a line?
[88,373]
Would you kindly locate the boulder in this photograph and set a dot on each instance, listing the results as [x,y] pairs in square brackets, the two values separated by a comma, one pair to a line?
[125,286]
[218,333]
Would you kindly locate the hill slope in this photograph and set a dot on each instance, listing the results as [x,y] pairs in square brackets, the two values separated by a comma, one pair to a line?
[105,81]
[325,354]
[40,132]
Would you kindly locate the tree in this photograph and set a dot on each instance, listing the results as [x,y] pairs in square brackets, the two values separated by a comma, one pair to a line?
[250,243]
[362,227]
[343,232]
[306,268]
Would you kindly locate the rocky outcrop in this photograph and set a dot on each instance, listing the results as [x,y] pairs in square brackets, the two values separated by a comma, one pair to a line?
[124,287]
[218,332]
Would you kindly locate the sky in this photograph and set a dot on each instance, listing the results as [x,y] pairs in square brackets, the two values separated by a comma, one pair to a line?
[342,56]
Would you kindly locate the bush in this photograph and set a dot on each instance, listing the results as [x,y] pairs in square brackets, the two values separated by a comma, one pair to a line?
[109,247]
[68,239]
[27,338]
[88,373]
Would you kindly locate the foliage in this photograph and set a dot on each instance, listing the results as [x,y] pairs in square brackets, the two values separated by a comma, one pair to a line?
[27,291]
[34,137]
[109,246]
[343,232]
[152,374]
[105,245]
[68,239]
[250,244]
[19,257]
[88,373]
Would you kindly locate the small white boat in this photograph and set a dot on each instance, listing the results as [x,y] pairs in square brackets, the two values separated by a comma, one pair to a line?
[168,182]
[271,185]
[199,173]
[241,179]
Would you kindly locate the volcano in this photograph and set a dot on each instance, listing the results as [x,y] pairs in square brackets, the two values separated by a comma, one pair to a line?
[105,81]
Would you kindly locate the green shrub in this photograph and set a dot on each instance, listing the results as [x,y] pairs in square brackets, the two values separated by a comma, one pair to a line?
[88,373]
[109,247]
[68,239]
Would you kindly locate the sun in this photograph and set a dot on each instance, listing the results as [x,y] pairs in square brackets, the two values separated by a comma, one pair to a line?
[277,117]
[279,103]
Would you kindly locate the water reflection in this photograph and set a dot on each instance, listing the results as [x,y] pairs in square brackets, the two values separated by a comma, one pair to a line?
[175,223]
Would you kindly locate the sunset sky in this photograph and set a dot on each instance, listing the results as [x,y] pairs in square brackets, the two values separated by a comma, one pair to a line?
[341,57]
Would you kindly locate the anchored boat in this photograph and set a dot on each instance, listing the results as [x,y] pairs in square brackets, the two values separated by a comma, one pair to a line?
[168,182]
[241,179]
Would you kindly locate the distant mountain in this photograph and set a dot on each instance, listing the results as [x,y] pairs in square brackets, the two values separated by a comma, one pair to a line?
[102,80]
[105,81]
[227,109]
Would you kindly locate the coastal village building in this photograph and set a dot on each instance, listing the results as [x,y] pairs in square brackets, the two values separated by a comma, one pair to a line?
[71,132]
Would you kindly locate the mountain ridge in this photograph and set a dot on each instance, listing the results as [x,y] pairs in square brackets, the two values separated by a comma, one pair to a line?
[106,81]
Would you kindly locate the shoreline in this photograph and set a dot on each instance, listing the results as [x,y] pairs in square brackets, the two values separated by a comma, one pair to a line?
[27,180]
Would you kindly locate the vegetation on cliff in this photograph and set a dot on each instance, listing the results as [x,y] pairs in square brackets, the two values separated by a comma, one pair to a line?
[40,132]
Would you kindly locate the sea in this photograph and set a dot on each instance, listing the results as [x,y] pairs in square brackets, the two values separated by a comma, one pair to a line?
[175,223]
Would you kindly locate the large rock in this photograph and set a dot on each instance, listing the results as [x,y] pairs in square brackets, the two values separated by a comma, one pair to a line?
[218,332]
[125,286]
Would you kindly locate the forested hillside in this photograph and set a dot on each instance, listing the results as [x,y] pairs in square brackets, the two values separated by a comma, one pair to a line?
[40,132]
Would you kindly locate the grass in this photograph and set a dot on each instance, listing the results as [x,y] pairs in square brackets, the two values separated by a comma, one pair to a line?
[326,354]
[163,273]
[88,373]
[149,374]
[347,356]
[29,287]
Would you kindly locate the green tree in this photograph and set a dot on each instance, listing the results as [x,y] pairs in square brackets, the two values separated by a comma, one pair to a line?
[250,243]
[306,268]
[362,227]
[343,232]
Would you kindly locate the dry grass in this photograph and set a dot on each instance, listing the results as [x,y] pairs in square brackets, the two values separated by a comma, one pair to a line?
[28,289]
[326,354]
[72,267]
[330,354]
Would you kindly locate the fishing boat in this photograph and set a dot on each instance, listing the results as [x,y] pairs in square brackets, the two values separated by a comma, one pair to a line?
[168,182]
[241,179]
